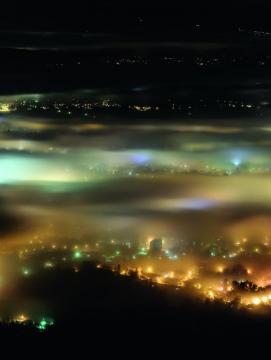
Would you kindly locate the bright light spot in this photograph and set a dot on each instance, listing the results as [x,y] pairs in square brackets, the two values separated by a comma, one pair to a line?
[44,323]
[5,108]
[159,280]
[256,301]
[21,318]
[236,162]
[211,294]
[77,254]
[26,272]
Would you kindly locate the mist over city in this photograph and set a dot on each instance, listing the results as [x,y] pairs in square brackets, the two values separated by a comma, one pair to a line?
[135,167]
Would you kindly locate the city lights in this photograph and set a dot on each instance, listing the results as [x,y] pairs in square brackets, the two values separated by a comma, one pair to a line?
[135,169]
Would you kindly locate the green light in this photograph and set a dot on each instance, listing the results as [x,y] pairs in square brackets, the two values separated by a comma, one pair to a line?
[77,254]
[44,323]
[117,252]
[143,252]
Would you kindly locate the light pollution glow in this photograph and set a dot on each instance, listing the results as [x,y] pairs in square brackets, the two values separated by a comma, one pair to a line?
[199,187]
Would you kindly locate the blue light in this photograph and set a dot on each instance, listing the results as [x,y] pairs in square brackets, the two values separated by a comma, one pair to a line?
[140,159]
[236,162]
[198,204]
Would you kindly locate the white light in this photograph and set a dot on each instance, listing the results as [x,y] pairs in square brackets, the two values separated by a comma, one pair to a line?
[236,162]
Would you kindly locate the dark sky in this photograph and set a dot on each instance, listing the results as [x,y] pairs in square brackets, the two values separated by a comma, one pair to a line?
[104,15]
[36,37]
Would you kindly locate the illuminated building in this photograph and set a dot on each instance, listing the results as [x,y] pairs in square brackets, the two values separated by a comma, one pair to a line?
[155,247]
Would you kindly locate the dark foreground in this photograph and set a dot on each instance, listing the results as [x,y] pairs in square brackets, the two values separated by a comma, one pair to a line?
[100,307]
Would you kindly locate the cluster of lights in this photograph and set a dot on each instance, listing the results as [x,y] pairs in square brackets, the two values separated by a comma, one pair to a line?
[257,300]
[42,325]
[211,290]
